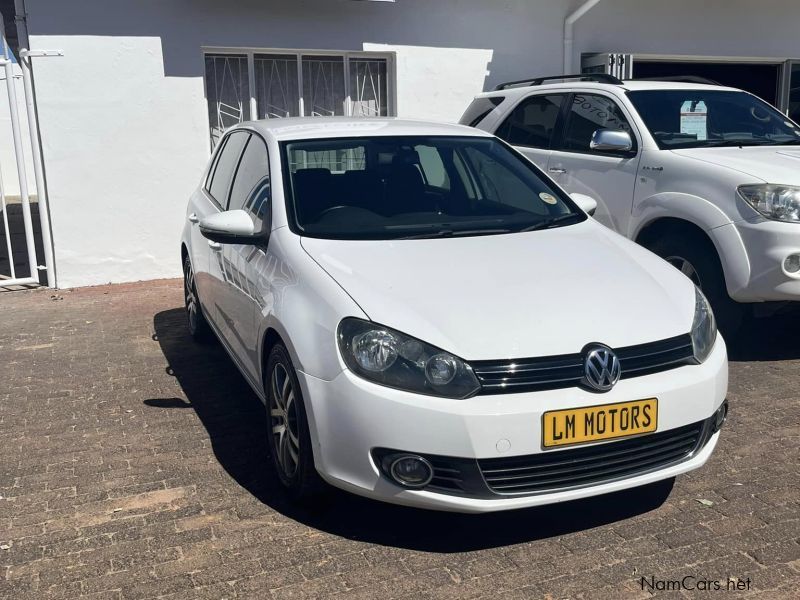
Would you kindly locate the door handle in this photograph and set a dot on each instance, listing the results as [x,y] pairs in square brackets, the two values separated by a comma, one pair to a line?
[215,246]
[557,170]
[193,218]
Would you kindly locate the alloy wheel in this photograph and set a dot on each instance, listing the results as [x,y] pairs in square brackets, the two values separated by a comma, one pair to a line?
[190,296]
[283,421]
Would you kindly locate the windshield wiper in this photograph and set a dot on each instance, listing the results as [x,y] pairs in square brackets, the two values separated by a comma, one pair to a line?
[441,233]
[548,223]
[737,143]
[785,143]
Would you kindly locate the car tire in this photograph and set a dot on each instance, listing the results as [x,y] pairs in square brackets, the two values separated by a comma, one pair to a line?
[289,438]
[698,260]
[198,326]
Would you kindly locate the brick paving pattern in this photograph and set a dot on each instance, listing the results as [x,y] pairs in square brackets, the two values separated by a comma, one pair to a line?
[133,465]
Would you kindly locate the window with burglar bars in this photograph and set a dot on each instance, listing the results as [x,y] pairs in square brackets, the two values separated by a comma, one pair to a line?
[267,85]
[227,92]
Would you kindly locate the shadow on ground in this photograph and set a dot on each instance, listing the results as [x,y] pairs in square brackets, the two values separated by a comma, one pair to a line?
[766,339]
[235,420]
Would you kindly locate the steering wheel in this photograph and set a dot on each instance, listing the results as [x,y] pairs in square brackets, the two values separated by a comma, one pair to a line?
[325,212]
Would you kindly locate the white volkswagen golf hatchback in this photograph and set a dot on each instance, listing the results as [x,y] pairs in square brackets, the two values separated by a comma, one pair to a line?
[431,321]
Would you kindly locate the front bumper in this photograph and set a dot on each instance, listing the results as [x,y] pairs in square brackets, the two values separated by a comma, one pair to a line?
[760,272]
[350,417]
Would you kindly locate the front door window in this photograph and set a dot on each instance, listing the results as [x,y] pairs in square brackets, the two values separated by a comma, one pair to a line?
[588,113]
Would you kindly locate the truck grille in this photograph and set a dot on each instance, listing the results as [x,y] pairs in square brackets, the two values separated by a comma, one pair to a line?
[566,370]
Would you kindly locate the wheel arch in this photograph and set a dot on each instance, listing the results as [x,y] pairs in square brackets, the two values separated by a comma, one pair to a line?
[275,333]
[711,217]
[270,339]
[724,241]
[662,226]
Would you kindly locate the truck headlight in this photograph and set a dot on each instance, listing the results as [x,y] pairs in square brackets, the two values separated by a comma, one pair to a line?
[704,327]
[388,357]
[776,202]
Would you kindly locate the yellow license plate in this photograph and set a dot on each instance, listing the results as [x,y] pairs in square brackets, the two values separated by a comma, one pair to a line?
[594,423]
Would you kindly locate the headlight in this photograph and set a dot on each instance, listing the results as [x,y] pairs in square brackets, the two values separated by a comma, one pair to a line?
[393,359]
[704,327]
[776,202]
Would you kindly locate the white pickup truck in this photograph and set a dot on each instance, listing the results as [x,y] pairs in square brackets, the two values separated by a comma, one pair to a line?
[706,176]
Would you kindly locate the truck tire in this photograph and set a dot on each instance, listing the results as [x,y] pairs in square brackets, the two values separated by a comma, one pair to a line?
[697,258]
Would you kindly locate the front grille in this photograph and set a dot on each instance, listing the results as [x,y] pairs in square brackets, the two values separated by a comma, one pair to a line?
[558,470]
[566,370]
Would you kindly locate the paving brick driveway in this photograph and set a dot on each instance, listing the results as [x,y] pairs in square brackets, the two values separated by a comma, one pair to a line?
[133,465]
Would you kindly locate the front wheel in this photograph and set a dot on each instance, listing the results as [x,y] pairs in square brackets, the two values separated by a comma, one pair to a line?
[289,436]
[698,260]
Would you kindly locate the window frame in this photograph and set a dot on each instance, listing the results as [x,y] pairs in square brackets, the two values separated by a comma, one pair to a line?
[217,152]
[213,170]
[346,56]
[556,128]
[253,134]
[564,119]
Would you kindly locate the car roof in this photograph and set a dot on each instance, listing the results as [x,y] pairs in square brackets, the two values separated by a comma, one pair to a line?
[629,85]
[302,128]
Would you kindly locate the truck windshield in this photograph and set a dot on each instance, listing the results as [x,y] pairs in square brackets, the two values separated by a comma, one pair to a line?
[417,187]
[711,118]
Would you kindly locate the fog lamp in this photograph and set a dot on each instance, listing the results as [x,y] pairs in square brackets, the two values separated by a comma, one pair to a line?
[720,416]
[411,471]
[792,263]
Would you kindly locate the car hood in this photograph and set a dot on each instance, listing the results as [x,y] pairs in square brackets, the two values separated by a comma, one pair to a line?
[772,164]
[516,295]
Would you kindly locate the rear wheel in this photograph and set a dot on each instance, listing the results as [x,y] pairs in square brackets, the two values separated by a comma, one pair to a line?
[198,326]
[697,259]
[289,437]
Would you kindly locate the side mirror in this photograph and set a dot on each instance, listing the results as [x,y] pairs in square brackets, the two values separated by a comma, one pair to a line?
[586,203]
[611,140]
[230,227]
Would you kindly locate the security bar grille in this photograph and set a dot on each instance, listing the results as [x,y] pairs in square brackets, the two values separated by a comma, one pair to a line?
[277,93]
[247,84]
[323,86]
[368,87]
[226,91]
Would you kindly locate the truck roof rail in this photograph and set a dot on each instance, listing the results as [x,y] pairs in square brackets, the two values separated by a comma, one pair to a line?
[596,77]
[682,79]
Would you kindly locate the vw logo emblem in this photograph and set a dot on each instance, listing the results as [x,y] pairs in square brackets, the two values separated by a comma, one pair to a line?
[601,368]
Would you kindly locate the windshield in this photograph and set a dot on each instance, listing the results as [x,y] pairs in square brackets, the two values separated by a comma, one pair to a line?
[712,118]
[416,187]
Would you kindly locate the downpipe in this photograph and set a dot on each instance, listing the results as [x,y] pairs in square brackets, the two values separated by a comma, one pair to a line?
[569,26]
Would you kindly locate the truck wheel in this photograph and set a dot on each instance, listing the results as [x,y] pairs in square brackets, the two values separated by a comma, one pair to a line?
[698,260]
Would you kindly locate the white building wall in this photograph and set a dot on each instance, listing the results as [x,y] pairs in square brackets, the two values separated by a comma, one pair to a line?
[123,115]
[730,28]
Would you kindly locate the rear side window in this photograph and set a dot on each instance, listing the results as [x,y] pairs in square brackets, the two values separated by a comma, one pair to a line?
[479,109]
[251,186]
[588,113]
[226,165]
[533,122]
